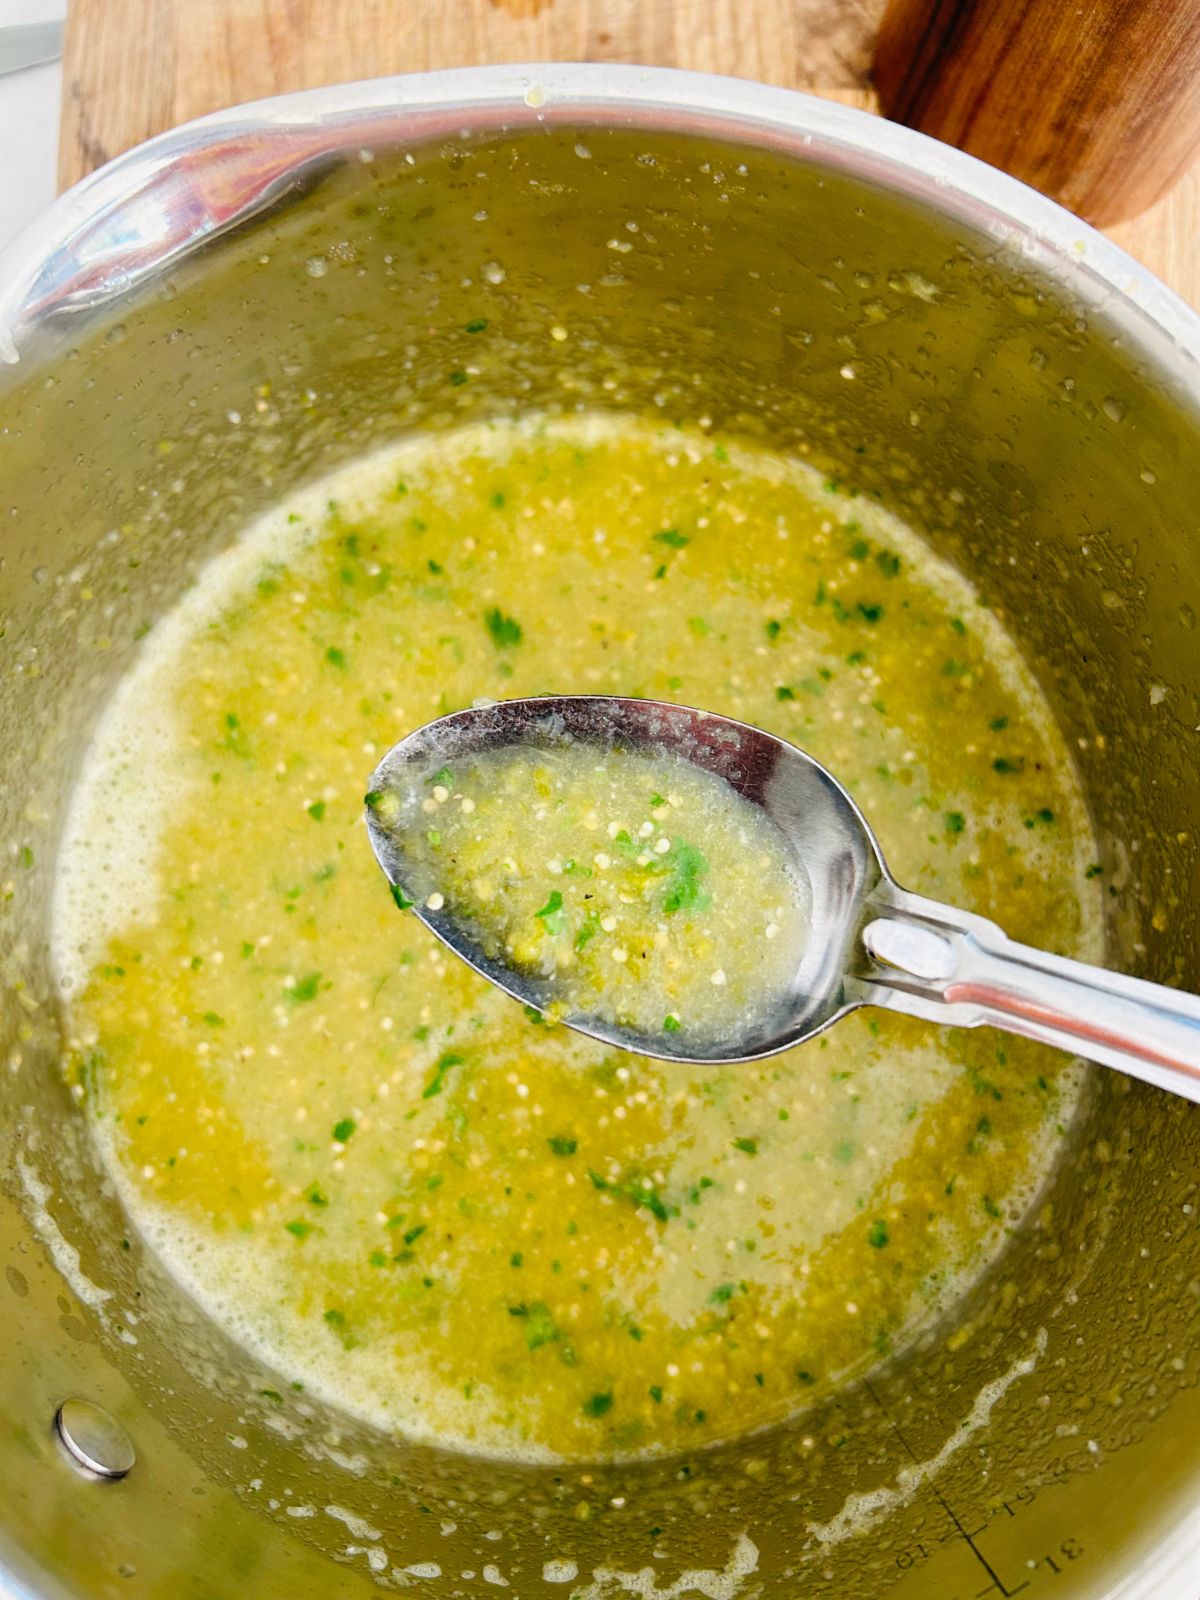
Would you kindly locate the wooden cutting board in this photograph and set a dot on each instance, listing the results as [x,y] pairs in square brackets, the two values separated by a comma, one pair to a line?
[135,67]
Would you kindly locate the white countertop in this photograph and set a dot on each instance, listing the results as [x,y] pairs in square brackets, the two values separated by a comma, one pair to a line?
[29,105]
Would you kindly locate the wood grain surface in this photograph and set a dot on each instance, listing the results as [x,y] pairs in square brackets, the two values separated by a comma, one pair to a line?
[135,67]
[1096,103]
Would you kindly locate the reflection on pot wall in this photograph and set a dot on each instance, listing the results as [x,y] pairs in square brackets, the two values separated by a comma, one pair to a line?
[1028,436]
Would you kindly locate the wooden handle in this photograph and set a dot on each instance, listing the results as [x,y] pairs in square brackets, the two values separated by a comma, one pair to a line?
[1096,102]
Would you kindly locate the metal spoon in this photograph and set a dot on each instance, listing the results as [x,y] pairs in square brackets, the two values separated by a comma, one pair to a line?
[871,942]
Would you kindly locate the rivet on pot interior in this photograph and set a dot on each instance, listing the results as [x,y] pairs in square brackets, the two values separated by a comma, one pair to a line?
[94,1439]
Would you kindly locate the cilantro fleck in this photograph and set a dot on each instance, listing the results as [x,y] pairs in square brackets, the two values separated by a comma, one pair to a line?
[305,989]
[773,629]
[343,1129]
[540,1326]
[673,538]
[588,930]
[955,822]
[413,1234]
[747,1146]
[671,1023]
[782,692]
[641,1193]
[401,899]
[684,892]
[317,810]
[505,631]
[551,914]
[300,1229]
[655,1393]
[562,1147]
[1003,764]
[437,1083]
[869,611]
[476,325]
[877,1235]
[458,379]
[598,1405]
[888,562]
[998,724]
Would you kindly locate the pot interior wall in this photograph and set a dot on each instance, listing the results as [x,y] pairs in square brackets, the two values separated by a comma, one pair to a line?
[1044,1438]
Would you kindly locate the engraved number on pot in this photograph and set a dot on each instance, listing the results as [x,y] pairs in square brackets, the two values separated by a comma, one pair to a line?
[1069,1550]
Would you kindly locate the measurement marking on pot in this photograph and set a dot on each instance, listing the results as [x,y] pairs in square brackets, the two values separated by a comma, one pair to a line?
[1054,1562]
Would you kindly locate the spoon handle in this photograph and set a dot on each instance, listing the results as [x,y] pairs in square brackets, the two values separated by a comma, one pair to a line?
[949,966]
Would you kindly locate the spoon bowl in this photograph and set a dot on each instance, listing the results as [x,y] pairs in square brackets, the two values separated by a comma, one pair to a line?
[831,845]
[870,942]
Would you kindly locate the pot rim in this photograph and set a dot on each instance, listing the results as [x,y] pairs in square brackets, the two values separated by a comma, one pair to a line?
[151,207]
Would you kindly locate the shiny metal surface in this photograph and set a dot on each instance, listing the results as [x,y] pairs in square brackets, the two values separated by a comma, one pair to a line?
[161,201]
[870,941]
[249,301]
[840,863]
[941,964]
[94,1439]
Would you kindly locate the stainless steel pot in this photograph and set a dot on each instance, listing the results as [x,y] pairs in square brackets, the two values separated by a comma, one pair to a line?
[248,300]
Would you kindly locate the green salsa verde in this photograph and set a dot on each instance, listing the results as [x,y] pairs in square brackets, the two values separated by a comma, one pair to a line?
[649,892]
[447,1215]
